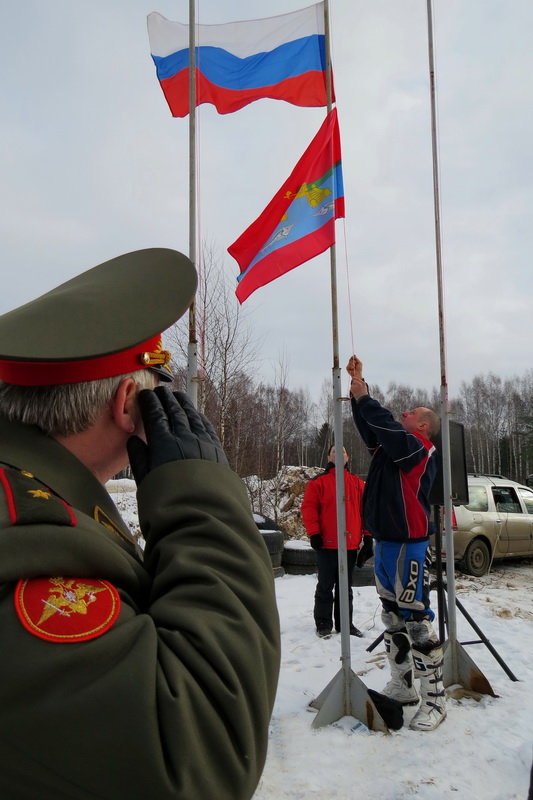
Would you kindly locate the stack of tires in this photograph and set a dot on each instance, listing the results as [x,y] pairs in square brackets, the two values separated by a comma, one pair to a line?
[273,538]
[299,558]
[364,576]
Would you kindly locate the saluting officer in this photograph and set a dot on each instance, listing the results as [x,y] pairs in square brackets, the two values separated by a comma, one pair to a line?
[123,675]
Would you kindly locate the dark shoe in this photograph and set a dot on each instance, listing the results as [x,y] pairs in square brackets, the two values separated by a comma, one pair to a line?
[353,631]
[323,632]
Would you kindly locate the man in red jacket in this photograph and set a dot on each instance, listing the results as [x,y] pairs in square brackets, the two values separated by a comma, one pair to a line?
[319,514]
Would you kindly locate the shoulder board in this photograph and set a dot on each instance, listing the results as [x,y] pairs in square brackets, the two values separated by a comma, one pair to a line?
[26,501]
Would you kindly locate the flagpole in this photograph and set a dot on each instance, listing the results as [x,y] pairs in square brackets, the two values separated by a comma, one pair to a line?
[445,423]
[458,668]
[338,433]
[345,695]
[192,350]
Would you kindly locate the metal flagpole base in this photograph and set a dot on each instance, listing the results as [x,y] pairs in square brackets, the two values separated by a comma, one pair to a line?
[458,668]
[331,704]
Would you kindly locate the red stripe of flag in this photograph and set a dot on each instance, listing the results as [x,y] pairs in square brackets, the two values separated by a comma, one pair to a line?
[302,90]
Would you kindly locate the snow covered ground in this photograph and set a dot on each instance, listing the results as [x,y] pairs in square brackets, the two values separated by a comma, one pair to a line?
[482,751]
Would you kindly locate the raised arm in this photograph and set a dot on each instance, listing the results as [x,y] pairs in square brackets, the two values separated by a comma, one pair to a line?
[359,390]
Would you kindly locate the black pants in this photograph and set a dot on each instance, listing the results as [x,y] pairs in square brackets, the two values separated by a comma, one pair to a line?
[328,582]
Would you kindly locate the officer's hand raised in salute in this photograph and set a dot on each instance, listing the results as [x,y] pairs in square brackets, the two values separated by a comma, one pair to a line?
[174,430]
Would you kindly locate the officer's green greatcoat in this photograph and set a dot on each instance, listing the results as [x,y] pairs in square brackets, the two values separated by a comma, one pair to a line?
[173,699]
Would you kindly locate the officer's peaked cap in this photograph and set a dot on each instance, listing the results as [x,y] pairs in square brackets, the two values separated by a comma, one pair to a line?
[107,321]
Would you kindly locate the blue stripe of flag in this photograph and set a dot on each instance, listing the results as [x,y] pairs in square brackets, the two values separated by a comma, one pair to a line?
[261,69]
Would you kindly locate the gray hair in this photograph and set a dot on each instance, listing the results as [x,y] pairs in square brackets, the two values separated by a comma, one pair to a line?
[65,409]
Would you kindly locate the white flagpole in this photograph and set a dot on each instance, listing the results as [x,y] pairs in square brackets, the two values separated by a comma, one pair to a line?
[445,410]
[345,695]
[459,668]
[192,356]
[338,432]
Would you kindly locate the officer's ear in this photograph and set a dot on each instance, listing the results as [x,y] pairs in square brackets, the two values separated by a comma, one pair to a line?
[124,407]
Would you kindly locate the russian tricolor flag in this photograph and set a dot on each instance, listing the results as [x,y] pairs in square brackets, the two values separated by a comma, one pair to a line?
[279,57]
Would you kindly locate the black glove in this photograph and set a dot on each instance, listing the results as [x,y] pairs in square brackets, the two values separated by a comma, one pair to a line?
[366,551]
[315,540]
[174,430]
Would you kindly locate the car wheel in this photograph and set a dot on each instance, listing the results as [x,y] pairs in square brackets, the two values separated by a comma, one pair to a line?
[476,560]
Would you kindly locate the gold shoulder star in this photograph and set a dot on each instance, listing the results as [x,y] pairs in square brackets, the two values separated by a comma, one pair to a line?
[39,493]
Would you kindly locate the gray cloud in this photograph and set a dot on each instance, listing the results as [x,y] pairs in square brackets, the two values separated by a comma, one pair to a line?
[93,165]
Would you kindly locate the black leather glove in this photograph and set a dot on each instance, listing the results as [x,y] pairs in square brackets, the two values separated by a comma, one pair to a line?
[366,551]
[174,430]
[315,540]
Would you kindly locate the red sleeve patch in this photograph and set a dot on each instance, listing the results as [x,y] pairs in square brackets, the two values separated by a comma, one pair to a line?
[66,609]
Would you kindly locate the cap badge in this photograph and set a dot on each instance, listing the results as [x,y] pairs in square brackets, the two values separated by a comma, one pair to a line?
[66,609]
[157,357]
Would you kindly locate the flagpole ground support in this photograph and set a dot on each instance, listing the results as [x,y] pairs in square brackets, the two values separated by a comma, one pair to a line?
[459,669]
[332,707]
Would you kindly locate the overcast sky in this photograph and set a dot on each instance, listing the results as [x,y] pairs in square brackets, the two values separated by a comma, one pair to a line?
[93,165]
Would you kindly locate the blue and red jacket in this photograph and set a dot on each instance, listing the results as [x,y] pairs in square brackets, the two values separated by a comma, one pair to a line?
[319,508]
[396,498]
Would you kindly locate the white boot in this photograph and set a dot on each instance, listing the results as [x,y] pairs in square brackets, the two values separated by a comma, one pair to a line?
[400,687]
[432,711]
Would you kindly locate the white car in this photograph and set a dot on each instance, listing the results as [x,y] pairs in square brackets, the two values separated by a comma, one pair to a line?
[497,523]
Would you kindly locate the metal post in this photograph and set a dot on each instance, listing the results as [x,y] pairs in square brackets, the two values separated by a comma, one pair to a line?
[445,426]
[338,433]
[337,427]
[458,667]
[345,695]
[192,360]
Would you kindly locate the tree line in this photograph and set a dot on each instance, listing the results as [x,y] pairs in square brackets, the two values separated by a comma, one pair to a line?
[264,427]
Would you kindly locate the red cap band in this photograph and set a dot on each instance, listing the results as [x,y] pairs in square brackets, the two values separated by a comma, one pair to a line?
[52,373]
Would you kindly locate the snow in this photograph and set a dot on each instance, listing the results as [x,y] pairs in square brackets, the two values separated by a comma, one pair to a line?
[124,494]
[482,751]
[297,544]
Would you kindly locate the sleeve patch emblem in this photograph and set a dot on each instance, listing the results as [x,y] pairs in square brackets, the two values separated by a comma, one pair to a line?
[66,609]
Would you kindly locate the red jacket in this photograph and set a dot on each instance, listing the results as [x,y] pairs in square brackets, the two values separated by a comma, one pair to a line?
[319,509]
